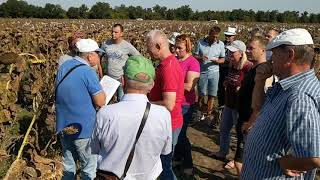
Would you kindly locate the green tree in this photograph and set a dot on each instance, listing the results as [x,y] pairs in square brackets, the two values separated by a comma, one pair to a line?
[51,11]
[100,10]
[183,12]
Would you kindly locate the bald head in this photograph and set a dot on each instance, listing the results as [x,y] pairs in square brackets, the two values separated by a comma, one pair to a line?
[158,45]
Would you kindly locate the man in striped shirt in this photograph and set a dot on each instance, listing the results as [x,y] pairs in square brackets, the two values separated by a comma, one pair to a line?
[284,143]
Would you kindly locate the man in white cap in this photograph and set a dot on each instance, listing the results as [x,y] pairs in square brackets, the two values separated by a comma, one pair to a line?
[78,93]
[229,35]
[285,139]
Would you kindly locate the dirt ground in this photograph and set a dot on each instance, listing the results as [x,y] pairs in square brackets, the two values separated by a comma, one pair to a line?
[205,140]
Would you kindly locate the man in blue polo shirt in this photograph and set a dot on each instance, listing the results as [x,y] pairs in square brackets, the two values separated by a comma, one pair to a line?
[78,92]
[284,142]
[210,53]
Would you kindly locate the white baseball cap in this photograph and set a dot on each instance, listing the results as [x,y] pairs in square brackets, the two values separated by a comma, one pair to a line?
[88,45]
[231,31]
[172,39]
[294,37]
[236,46]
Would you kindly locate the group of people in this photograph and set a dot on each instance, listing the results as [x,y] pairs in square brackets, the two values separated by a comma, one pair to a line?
[143,135]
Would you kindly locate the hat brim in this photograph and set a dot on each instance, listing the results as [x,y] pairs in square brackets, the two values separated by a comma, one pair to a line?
[232,49]
[171,42]
[230,33]
[100,50]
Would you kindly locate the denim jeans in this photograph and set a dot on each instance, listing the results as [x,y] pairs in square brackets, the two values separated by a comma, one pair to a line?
[166,160]
[183,147]
[229,118]
[120,91]
[208,82]
[73,150]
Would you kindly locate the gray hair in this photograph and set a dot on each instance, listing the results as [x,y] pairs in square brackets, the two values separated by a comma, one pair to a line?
[137,85]
[157,36]
[304,53]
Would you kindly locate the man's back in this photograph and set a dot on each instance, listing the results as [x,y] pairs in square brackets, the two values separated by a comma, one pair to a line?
[117,126]
[76,90]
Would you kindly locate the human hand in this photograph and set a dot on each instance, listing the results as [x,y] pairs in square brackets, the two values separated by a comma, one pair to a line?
[215,59]
[283,161]
[205,58]
[245,128]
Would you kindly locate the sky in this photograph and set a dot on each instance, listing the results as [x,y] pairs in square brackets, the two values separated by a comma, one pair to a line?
[311,6]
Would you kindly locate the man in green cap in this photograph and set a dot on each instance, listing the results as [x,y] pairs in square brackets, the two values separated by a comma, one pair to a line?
[117,126]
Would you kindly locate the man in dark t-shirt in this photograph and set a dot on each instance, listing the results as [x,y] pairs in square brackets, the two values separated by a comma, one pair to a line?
[257,55]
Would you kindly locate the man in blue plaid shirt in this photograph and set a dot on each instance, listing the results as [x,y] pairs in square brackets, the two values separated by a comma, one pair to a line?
[284,143]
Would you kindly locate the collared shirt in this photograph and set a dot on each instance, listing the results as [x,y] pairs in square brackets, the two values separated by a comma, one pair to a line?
[169,78]
[215,50]
[115,132]
[289,123]
[74,104]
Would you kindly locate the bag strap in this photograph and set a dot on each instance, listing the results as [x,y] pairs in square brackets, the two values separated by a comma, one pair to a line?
[73,68]
[130,157]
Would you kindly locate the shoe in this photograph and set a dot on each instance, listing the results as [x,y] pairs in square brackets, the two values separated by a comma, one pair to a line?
[229,165]
[217,156]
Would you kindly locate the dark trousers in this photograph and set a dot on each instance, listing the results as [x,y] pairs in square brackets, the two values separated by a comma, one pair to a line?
[183,147]
[241,137]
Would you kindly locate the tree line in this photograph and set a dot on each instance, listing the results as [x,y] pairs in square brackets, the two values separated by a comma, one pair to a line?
[103,10]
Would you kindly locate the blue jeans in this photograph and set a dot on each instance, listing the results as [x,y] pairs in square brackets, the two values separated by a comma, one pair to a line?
[229,118]
[73,150]
[120,91]
[208,82]
[166,160]
[183,147]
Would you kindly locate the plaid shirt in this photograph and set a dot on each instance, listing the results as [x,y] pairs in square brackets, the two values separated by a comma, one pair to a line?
[289,123]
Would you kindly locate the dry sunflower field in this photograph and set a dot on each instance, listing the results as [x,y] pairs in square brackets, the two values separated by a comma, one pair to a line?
[29,51]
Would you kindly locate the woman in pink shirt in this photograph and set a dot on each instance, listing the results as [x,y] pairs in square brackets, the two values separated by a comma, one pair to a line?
[191,71]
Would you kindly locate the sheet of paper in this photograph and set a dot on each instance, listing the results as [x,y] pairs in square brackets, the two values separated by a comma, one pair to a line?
[109,86]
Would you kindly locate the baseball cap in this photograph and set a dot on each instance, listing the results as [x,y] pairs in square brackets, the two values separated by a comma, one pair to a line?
[294,37]
[236,46]
[88,45]
[139,64]
[231,31]
[172,39]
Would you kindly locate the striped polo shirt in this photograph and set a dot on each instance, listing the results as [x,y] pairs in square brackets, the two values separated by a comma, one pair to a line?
[289,123]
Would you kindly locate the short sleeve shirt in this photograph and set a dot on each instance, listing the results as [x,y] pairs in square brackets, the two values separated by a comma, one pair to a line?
[169,78]
[117,56]
[74,105]
[288,124]
[189,64]
[215,50]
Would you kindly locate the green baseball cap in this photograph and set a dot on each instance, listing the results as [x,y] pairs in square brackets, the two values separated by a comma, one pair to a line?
[140,69]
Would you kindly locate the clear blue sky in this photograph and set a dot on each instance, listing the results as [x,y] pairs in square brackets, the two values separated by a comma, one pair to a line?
[311,6]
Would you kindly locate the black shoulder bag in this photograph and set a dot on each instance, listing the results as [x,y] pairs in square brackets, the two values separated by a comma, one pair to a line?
[130,157]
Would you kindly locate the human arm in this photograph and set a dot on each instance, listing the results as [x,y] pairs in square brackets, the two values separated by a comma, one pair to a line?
[168,100]
[290,164]
[192,78]
[100,99]
[198,53]
[94,88]
[302,132]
